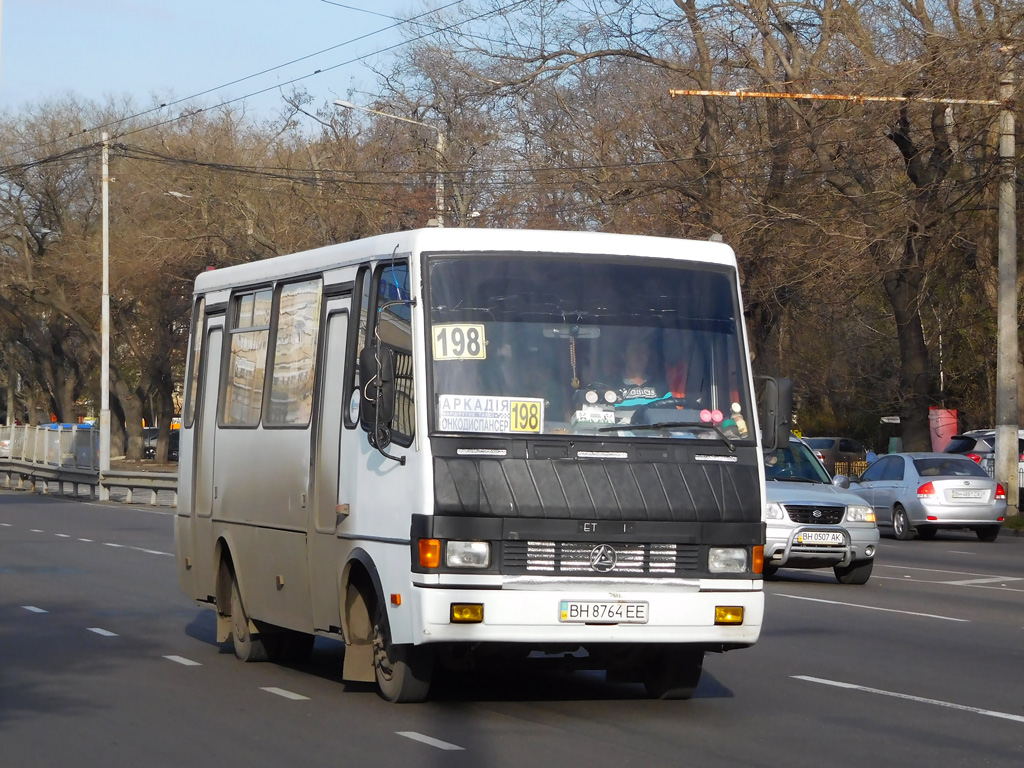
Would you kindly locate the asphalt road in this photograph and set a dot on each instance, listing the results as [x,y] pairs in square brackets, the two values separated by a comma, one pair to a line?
[103,662]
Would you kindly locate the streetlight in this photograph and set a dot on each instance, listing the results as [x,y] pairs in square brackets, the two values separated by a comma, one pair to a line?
[104,467]
[438,149]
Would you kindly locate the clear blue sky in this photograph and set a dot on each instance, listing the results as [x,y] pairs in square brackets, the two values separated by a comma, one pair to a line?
[179,48]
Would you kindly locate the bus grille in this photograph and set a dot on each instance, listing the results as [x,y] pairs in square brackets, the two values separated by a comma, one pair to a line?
[573,558]
[805,514]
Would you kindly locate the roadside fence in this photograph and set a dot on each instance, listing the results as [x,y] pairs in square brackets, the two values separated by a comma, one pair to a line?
[64,459]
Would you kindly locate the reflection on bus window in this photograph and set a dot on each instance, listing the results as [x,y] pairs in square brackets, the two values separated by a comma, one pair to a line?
[242,402]
[296,333]
[561,346]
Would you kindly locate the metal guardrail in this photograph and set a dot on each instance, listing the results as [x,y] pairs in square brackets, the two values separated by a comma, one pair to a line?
[64,459]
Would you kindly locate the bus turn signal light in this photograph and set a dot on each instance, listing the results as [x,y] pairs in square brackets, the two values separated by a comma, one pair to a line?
[430,553]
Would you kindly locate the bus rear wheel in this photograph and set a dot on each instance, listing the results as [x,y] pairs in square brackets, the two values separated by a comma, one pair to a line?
[403,672]
[673,672]
[248,647]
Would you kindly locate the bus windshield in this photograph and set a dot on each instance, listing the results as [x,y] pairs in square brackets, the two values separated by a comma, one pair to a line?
[615,347]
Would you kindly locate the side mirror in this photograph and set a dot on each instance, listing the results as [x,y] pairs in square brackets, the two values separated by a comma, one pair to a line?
[842,481]
[377,401]
[776,413]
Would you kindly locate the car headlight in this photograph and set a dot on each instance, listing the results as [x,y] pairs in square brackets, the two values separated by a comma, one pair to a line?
[467,554]
[774,511]
[857,513]
[727,560]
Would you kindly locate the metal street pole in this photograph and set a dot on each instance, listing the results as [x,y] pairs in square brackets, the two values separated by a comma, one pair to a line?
[1006,345]
[439,148]
[105,327]
[1006,467]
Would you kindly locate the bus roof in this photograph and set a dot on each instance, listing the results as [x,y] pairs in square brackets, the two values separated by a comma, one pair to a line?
[459,239]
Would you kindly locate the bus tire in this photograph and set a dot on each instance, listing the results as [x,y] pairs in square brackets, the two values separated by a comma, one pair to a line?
[403,672]
[672,672]
[288,646]
[248,647]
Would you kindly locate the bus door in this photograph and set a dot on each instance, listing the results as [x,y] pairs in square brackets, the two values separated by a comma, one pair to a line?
[204,492]
[328,497]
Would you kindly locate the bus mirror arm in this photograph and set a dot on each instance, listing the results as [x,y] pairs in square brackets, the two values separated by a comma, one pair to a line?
[776,412]
[377,401]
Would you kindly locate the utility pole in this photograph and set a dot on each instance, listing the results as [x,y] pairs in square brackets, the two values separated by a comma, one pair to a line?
[105,327]
[1006,467]
[439,148]
[1006,345]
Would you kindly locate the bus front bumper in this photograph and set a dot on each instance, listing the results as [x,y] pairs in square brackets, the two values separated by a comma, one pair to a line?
[574,613]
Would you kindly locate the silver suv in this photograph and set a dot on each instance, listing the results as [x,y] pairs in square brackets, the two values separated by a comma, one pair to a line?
[811,523]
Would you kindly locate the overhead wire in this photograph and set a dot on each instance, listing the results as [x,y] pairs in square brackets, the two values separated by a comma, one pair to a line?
[413,20]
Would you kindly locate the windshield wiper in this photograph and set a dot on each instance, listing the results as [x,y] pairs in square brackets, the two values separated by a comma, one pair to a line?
[671,425]
[794,480]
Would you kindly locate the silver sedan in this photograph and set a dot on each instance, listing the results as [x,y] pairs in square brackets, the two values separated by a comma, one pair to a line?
[924,492]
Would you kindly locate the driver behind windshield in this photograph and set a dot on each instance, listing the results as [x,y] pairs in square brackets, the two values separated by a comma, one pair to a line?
[639,384]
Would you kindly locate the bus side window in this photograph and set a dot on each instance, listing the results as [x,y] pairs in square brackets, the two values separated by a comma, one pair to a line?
[357,340]
[392,325]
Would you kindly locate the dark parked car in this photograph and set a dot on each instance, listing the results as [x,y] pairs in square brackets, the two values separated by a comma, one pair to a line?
[840,455]
[149,438]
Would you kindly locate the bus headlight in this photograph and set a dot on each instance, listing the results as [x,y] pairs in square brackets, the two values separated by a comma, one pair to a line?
[727,560]
[467,554]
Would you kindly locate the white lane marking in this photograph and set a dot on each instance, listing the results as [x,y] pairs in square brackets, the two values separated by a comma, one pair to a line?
[908,697]
[872,608]
[111,544]
[931,570]
[286,694]
[6,525]
[428,740]
[87,541]
[33,609]
[958,552]
[875,577]
[183,661]
[986,580]
[153,551]
[62,536]
[101,631]
[36,530]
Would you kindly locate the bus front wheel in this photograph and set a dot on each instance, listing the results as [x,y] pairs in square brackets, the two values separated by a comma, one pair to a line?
[672,672]
[403,671]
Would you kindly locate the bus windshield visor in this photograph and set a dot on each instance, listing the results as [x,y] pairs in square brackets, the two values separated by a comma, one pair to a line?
[562,345]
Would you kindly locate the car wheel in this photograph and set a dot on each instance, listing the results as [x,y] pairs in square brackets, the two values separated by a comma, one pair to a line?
[901,524]
[857,572]
[988,532]
[768,570]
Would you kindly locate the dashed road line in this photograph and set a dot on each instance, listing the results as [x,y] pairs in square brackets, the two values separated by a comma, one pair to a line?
[873,608]
[62,535]
[908,697]
[183,661]
[33,609]
[285,694]
[429,740]
[102,632]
